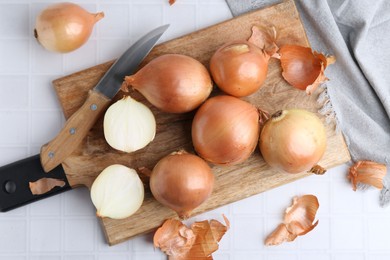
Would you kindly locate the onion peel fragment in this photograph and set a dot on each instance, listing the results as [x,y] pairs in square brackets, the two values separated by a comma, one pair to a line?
[198,242]
[265,39]
[171,2]
[45,185]
[364,173]
[304,68]
[298,220]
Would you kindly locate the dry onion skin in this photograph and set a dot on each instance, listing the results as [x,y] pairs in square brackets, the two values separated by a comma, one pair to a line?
[367,173]
[117,192]
[225,130]
[298,220]
[45,185]
[173,83]
[303,68]
[64,27]
[181,181]
[293,140]
[198,242]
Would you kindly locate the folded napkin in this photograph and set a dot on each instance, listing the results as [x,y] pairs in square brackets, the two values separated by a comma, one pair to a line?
[356,32]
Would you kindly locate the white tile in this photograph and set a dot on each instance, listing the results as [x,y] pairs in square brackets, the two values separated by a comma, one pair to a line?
[371,198]
[249,206]
[14,20]
[339,173]
[14,92]
[48,207]
[45,235]
[15,131]
[13,236]
[347,233]
[109,26]
[345,199]
[12,257]
[82,58]
[182,20]
[45,257]
[248,233]
[144,244]
[146,256]
[247,256]
[79,257]
[317,256]
[43,93]
[145,18]
[318,238]
[378,233]
[207,15]
[113,257]
[14,56]
[221,256]
[349,256]
[281,256]
[112,49]
[45,126]
[78,203]
[383,256]
[12,154]
[79,234]
[45,61]
[280,198]
[319,189]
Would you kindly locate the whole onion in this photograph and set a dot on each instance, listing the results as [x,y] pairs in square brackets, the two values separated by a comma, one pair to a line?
[64,27]
[239,68]
[225,130]
[293,140]
[172,82]
[181,181]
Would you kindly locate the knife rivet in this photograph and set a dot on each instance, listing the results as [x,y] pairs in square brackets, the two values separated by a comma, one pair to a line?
[72,131]
[51,154]
[93,107]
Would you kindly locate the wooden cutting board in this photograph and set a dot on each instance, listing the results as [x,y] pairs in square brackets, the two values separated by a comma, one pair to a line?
[174,131]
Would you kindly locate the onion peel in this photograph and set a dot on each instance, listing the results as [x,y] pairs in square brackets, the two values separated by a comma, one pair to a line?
[364,173]
[198,242]
[265,39]
[45,185]
[304,68]
[298,220]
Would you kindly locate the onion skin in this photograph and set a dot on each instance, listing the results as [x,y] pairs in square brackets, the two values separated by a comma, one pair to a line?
[173,83]
[64,27]
[293,140]
[225,130]
[239,68]
[181,181]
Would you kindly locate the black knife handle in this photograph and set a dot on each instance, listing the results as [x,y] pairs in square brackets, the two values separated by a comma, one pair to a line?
[14,182]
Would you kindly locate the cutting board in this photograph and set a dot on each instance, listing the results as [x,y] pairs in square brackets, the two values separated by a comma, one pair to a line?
[232,183]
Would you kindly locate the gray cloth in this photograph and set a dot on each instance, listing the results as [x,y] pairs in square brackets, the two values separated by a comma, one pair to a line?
[357,33]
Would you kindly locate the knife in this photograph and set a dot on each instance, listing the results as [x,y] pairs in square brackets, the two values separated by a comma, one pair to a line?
[78,125]
[15,177]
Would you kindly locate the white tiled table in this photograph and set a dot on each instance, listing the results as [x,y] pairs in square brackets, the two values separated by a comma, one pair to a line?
[352,225]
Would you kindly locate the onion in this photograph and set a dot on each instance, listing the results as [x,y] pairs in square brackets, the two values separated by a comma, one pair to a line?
[181,181]
[173,83]
[64,27]
[117,192]
[293,140]
[129,125]
[239,68]
[225,130]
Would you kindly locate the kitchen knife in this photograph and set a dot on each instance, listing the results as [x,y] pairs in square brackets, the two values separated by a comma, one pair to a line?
[15,177]
[78,125]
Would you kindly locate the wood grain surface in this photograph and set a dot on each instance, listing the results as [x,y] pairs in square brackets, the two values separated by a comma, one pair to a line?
[233,183]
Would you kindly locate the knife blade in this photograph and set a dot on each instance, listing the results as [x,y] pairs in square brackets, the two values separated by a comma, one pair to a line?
[78,125]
